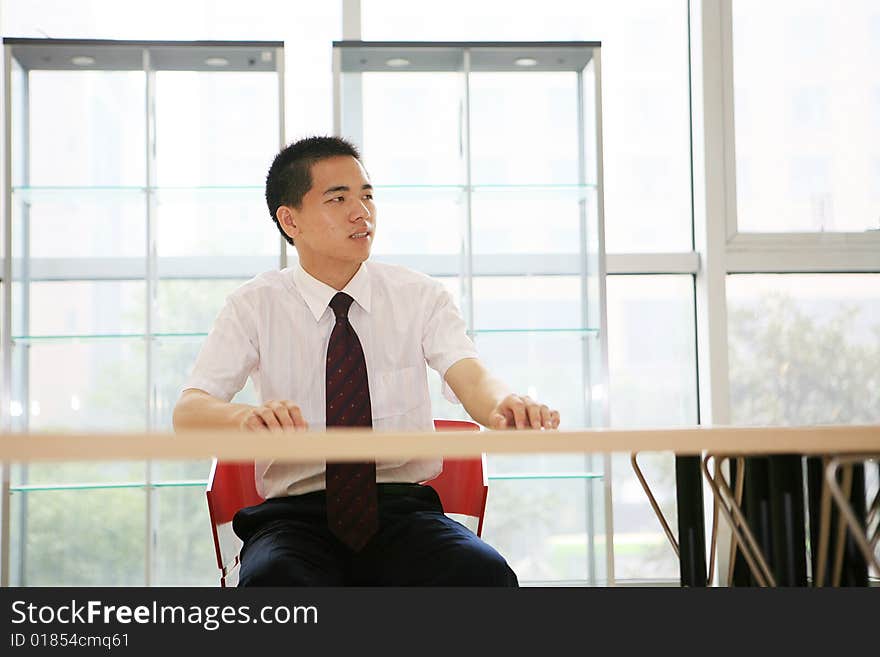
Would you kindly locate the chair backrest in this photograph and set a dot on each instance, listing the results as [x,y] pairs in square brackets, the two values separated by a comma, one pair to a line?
[231,487]
[462,487]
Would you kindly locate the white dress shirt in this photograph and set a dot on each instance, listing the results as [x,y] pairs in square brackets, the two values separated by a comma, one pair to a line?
[276,327]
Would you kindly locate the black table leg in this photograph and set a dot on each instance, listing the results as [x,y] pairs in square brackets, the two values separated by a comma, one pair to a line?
[855,568]
[788,522]
[815,478]
[757,502]
[691,524]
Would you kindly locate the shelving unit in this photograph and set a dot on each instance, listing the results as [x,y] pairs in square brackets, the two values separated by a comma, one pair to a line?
[486,162]
[130,208]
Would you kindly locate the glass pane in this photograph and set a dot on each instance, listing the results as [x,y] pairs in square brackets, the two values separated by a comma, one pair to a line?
[653,378]
[215,128]
[806,101]
[804,348]
[184,552]
[87,128]
[641,549]
[172,20]
[411,128]
[504,220]
[174,360]
[540,465]
[215,222]
[73,473]
[652,350]
[645,97]
[541,110]
[190,305]
[424,220]
[548,367]
[540,527]
[78,223]
[527,302]
[82,386]
[64,542]
[536,318]
[180,472]
[85,308]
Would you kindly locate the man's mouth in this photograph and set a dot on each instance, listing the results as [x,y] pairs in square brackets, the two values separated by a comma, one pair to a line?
[359,236]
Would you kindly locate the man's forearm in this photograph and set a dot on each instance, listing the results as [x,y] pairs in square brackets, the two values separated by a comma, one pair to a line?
[477,390]
[485,399]
[197,409]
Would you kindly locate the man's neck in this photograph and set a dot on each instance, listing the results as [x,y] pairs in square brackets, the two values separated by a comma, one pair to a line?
[335,275]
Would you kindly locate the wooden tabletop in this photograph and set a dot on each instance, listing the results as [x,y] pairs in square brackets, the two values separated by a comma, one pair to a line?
[359,445]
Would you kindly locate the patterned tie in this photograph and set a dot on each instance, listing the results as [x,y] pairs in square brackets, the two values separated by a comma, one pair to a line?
[351,487]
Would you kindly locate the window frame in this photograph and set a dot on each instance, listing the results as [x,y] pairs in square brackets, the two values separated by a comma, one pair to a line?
[788,252]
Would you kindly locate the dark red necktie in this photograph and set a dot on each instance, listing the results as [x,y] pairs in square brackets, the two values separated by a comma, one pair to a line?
[352,513]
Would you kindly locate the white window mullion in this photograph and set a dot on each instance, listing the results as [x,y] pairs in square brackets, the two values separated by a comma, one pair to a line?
[714,202]
[653,263]
[712,179]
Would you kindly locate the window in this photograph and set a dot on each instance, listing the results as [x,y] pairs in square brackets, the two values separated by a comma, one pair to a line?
[804,348]
[652,363]
[206,241]
[803,77]
[99,345]
[644,87]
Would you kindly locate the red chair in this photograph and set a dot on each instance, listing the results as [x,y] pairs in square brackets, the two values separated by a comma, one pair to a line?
[462,488]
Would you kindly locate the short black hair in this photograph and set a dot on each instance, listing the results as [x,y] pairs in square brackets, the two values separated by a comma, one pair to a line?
[290,176]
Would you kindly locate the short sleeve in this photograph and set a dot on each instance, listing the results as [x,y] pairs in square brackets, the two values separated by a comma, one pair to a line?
[229,353]
[445,340]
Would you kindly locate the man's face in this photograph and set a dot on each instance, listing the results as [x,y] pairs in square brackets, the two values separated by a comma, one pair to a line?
[337,219]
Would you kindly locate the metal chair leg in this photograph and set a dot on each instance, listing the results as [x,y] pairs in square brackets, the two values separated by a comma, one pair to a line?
[738,524]
[841,496]
[662,519]
[824,531]
[657,511]
[740,486]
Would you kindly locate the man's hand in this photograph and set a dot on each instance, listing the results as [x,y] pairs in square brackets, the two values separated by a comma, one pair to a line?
[520,412]
[274,416]
[480,393]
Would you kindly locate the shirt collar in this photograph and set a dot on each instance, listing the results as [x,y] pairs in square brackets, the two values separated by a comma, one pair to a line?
[317,295]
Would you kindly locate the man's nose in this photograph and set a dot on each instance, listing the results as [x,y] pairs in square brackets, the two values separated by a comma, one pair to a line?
[361,211]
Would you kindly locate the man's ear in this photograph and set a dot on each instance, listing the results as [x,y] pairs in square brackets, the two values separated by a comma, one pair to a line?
[287,221]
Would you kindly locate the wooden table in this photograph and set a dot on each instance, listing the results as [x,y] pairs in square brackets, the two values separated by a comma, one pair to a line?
[688,443]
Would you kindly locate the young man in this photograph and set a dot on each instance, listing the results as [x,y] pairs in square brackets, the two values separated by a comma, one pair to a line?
[339,341]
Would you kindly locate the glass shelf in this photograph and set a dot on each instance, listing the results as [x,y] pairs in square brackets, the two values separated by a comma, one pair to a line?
[201,483]
[203,334]
[530,191]
[109,194]
[538,331]
[25,339]
[513,476]
[28,488]
[534,192]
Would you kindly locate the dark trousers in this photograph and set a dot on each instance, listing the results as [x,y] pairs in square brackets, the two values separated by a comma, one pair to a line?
[287,543]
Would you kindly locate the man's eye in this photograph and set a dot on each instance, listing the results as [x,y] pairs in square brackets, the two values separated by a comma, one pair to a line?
[369,197]
[337,199]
